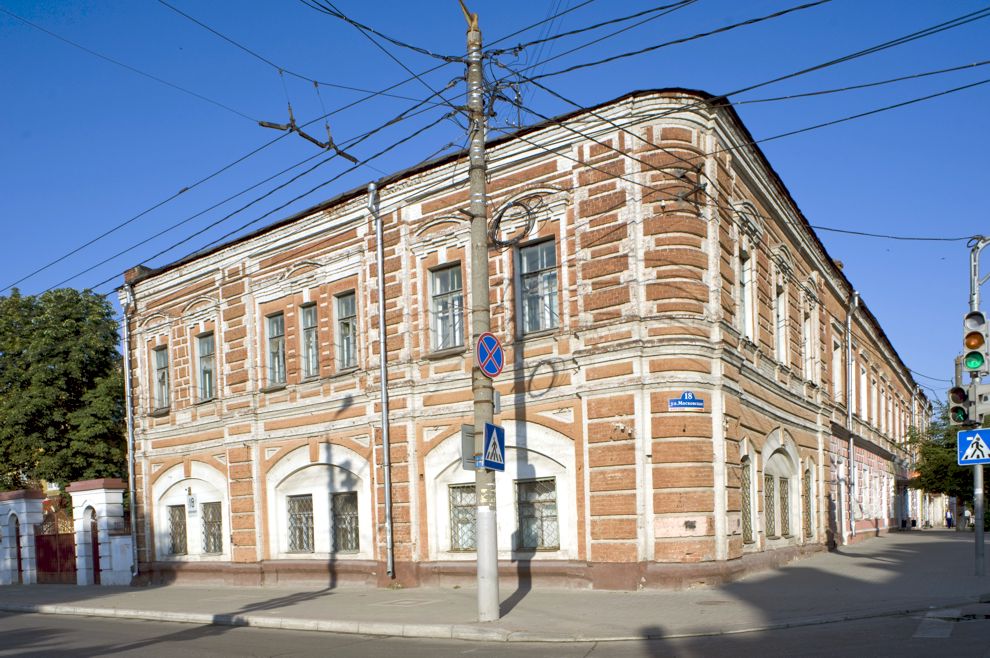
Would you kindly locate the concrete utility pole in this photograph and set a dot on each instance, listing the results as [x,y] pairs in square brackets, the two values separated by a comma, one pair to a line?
[481,386]
[974,305]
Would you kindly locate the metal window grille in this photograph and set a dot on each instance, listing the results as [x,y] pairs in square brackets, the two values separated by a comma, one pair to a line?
[808,525]
[448,308]
[345,522]
[463,517]
[207,367]
[310,340]
[177,529]
[539,287]
[346,331]
[537,506]
[212,528]
[746,486]
[785,507]
[161,378]
[769,512]
[276,349]
[301,524]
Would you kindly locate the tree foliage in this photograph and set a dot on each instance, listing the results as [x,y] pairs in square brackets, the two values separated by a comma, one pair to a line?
[61,389]
[938,470]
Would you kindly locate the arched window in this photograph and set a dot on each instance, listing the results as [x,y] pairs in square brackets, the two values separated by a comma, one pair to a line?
[779,493]
[746,496]
[190,514]
[808,495]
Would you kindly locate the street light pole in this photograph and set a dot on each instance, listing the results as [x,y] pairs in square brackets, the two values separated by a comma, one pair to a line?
[978,509]
[481,385]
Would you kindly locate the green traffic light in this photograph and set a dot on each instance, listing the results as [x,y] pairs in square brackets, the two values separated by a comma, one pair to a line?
[974,361]
[959,414]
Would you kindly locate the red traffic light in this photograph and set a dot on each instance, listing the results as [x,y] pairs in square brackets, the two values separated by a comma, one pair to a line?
[958,395]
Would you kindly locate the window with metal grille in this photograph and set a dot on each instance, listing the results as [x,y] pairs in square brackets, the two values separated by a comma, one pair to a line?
[300,524]
[769,511]
[212,528]
[785,507]
[207,367]
[746,487]
[310,342]
[177,529]
[161,378]
[537,506]
[276,349]
[463,517]
[345,522]
[448,308]
[538,276]
[808,521]
[346,331]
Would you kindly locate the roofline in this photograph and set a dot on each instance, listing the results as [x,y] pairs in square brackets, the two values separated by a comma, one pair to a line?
[717,103]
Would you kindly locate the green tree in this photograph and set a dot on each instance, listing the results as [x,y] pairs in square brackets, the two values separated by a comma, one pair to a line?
[61,389]
[938,470]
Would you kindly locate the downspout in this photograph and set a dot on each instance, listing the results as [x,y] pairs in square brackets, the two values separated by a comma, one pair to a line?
[850,461]
[131,494]
[383,374]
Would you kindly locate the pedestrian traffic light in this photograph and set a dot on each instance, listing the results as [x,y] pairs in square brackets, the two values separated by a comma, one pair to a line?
[975,354]
[959,405]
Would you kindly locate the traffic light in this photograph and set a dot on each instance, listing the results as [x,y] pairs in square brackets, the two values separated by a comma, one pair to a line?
[959,406]
[975,354]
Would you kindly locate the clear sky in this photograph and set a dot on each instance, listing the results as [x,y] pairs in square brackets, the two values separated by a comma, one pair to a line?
[87,144]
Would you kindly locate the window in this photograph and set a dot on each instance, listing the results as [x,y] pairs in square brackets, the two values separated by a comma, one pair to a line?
[463,519]
[161,378]
[747,295]
[212,528]
[310,342]
[808,344]
[300,524]
[769,511]
[808,507]
[346,331]
[780,323]
[177,529]
[207,367]
[862,392]
[746,489]
[785,507]
[874,402]
[276,349]
[536,501]
[345,522]
[538,276]
[448,308]
[838,382]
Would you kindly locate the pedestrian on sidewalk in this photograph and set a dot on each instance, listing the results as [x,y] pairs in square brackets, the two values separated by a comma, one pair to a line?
[948,519]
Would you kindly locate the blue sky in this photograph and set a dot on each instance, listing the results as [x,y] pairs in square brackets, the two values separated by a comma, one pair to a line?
[86,144]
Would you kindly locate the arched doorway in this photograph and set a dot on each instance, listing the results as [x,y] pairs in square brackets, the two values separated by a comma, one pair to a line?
[94,537]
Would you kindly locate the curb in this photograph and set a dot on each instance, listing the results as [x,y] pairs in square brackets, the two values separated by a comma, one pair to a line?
[462,632]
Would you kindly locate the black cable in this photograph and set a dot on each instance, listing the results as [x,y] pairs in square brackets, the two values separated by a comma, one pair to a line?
[539,23]
[277,67]
[888,237]
[725,28]
[937,379]
[127,66]
[522,46]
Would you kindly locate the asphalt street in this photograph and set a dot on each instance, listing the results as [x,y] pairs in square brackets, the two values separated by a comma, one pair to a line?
[934,634]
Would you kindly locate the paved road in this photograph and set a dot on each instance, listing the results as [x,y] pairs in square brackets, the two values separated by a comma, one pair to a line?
[902,636]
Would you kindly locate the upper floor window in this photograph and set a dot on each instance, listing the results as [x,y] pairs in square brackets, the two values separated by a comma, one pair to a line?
[207,367]
[780,322]
[863,390]
[448,307]
[276,349]
[346,331]
[838,381]
[746,293]
[161,378]
[310,342]
[538,276]
[808,343]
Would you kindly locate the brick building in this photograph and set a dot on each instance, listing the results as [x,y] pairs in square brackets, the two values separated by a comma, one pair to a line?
[674,394]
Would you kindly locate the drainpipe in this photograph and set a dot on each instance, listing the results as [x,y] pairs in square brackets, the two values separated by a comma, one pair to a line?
[383,374]
[850,462]
[131,494]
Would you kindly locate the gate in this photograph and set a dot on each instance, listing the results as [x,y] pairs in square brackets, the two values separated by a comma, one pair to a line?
[17,543]
[55,549]
[94,535]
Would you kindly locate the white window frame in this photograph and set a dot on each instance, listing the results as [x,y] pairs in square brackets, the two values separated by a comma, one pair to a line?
[162,387]
[206,367]
[780,334]
[838,374]
[309,339]
[540,285]
[809,342]
[347,332]
[746,301]
[275,339]
[447,307]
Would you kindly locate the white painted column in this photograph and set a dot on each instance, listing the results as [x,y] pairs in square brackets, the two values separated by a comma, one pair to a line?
[26,507]
[105,497]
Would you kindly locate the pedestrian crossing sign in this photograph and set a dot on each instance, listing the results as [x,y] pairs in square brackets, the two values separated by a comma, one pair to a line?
[494,449]
[973,448]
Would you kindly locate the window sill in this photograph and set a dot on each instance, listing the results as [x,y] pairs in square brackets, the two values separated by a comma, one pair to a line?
[206,401]
[345,371]
[272,388]
[160,413]
[537,334]
[446,353]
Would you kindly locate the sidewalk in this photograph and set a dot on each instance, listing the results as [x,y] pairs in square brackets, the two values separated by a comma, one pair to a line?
[895,574]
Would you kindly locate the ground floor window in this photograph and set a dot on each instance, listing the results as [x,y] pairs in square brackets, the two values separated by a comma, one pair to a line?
[746,491]
[536,502]
[344,507]
[212,528]
[463,519]
[785,507]
[177,529]
[808,493]
[300,524]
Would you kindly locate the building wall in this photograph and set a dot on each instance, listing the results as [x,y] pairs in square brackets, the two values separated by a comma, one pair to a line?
[656,222]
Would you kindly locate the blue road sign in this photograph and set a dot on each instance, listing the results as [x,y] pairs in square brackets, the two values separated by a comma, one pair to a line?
[972,445]
[493,456]
[489,355]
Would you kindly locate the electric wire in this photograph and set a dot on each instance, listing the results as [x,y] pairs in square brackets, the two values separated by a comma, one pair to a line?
[539,23]
[128,67]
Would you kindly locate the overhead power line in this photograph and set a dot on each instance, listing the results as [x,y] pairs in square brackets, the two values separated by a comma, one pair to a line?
[130,68]
[549,19]
[885,236]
